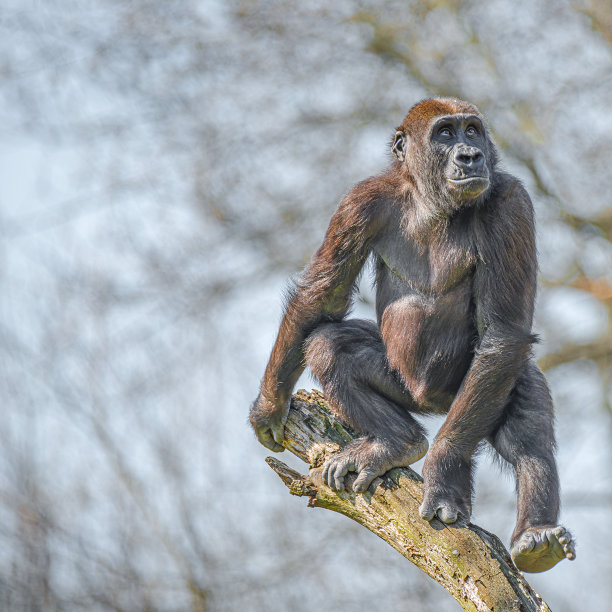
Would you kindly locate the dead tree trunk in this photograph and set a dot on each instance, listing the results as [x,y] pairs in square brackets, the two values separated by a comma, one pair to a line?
[470,563]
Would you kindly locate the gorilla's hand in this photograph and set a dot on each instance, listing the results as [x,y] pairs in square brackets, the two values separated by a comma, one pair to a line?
[268,420]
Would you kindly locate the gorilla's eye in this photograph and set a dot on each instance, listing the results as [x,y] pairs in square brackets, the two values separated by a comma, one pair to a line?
[445,132]
[471,132]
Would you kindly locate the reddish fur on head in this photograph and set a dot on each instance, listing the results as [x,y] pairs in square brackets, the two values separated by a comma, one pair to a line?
[422,113]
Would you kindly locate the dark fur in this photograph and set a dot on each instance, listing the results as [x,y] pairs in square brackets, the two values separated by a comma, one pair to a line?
[455,289]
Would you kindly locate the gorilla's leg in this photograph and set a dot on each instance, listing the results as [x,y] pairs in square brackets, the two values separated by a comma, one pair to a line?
[526,440]
[349,359]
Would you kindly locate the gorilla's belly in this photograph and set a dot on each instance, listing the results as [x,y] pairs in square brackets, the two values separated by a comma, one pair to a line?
[429,341]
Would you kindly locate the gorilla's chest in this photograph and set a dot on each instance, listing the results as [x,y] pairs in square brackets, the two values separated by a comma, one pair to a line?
[431,268]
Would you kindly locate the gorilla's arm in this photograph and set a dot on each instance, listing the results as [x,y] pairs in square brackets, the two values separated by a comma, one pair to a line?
[504,294]
[323,293]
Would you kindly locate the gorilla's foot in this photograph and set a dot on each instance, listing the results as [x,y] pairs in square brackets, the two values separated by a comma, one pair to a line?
[370,458]
[539,548]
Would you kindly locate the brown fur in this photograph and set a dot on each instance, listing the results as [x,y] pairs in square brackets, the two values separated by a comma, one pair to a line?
[421,115]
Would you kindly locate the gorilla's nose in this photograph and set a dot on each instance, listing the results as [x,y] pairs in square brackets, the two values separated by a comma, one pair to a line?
[469,158]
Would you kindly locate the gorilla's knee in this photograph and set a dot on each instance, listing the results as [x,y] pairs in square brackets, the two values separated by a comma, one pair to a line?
[336,350]
[321,350]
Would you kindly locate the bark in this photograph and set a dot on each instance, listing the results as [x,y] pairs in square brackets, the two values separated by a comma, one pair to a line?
[469,562]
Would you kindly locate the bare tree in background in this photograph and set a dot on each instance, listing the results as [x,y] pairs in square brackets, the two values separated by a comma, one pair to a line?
[166,166]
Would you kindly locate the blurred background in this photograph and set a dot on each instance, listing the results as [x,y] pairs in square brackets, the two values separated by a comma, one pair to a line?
[165,168]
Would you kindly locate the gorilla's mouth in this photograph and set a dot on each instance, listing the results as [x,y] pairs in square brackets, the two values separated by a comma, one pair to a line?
[468,187]
[467,179]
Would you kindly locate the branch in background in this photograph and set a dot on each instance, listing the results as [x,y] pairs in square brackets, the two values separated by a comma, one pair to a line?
[470,563]
[599,351]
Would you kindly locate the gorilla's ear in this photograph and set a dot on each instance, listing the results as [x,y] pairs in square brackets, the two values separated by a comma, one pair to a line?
[398,146]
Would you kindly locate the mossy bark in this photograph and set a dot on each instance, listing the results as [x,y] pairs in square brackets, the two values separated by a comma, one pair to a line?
[470,563]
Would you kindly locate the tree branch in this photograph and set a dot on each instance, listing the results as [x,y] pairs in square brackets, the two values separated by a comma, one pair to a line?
[470,563]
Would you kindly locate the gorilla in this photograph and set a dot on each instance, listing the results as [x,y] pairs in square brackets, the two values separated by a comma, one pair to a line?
[453,242]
